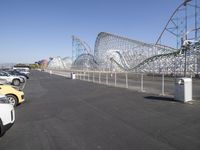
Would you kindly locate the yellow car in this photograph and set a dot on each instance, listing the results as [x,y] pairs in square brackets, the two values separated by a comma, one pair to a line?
[15,96]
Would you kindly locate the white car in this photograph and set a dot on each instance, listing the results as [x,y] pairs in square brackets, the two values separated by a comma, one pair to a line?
[3,81]
[22,77]
[7,115]
[24,71]
[15,80]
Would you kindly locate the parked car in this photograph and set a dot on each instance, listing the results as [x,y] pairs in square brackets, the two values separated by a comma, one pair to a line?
[15,80]
[23,70]
[14,95]
[17,73]
[12,74]
[7,115]
[3,81]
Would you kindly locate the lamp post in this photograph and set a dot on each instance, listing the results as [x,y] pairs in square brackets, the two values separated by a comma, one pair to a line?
[185,43]
[185,47]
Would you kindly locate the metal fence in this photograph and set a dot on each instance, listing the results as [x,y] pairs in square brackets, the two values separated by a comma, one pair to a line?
[157,84]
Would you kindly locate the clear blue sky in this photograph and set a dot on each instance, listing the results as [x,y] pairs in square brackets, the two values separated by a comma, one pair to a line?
[31,30]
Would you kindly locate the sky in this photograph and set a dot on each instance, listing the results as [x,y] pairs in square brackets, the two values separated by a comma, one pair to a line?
[31,30]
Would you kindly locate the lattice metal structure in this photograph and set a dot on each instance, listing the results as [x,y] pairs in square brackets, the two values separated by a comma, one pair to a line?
[85,62]
[183,24]
[114,52]
[185,18]
[79,47]
[131,55]
[82,55]
[57,63]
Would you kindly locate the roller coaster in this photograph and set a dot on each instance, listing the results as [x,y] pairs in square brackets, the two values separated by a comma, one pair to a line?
[117,53]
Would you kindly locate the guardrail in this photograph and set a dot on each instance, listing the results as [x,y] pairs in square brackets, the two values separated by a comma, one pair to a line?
[156,84]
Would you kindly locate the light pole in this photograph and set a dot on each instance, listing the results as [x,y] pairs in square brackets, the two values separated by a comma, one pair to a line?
[185,48]
[185,43]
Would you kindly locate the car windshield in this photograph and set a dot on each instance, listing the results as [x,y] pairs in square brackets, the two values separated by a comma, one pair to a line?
[7,74]
[4,74]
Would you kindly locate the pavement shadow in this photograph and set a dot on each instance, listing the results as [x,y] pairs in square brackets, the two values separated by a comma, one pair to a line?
[160,98]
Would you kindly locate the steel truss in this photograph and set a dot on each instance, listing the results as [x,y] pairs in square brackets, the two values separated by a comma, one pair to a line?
[79,47]
[131,55]
[186,17]
[56,63]
[114,52]
[82,55]
[85,62]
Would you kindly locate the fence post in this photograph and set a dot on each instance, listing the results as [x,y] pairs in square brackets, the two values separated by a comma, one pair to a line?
[93,76]
[106,78]
[126,80]
[88,76]
[115,79]
[99,77]
[142,88]
[163,84]
[75,75]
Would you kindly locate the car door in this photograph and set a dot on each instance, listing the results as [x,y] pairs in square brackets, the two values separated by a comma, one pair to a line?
[3,75]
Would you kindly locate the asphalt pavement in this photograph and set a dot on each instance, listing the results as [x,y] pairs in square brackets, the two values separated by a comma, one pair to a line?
[64,114]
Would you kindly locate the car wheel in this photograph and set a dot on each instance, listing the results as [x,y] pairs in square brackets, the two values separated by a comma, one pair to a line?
[12,99]
[16,82]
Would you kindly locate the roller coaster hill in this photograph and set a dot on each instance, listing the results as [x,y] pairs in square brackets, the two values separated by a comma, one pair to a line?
[176,51]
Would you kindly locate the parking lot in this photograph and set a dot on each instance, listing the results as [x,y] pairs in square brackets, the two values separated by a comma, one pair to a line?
[64,114]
